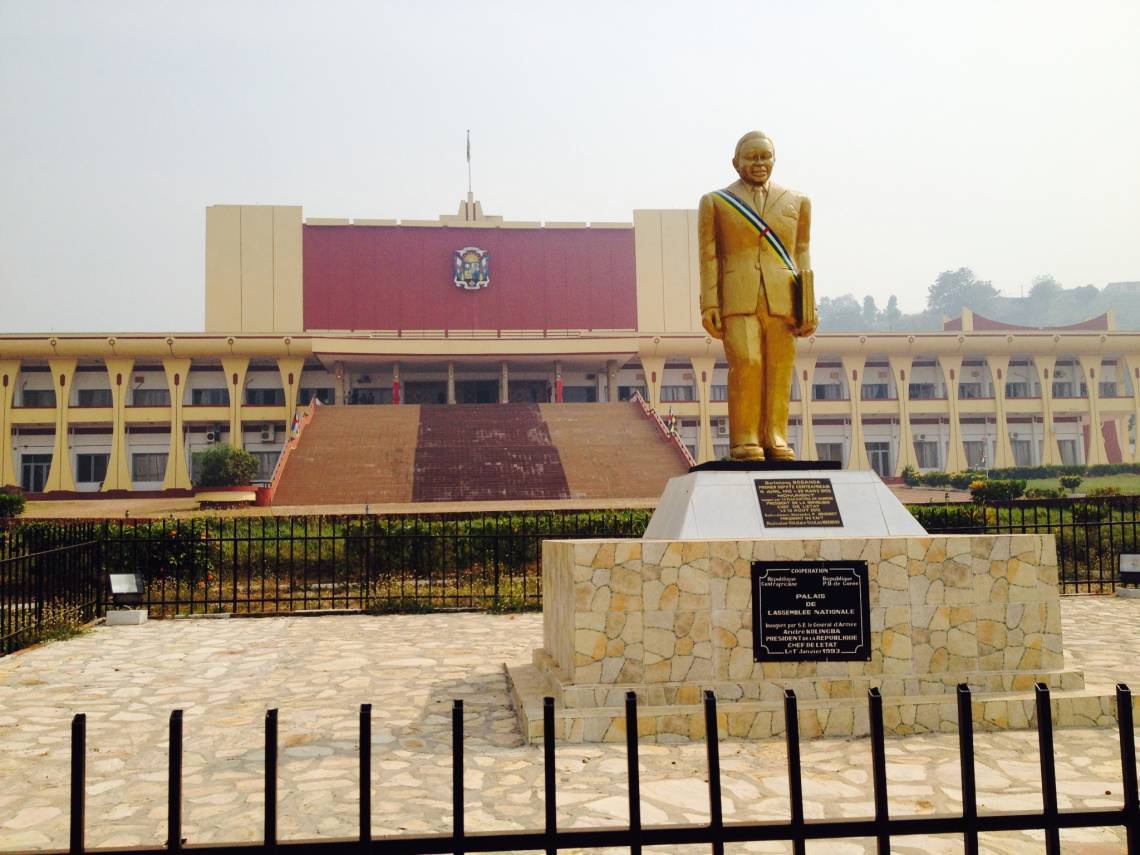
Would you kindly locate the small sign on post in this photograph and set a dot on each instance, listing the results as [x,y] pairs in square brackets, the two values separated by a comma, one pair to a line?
[1129,574]
[127,591]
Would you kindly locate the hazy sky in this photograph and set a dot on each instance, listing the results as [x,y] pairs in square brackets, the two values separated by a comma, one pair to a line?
[999,136]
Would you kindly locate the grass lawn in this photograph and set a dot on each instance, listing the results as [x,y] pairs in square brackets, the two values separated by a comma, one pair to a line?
[1129,484]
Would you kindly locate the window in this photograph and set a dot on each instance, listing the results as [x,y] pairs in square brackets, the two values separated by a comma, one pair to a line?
[150,398]
[829,451]
[1018,389]
[1107,389]
[626,393]
[826,392]
[34,469]
[148,467]
[975,453]
[266,463]
[720,450]
[1022,451]
[1068,449]
[1062,389]
[94,398]
[879,455]
[579,394]
[922,391]
[969,391]
[876,391]
[265,397]
[210,397]
[91,468]
[926,453]
[718,393]
[676,393]
[39,398]
[322,394]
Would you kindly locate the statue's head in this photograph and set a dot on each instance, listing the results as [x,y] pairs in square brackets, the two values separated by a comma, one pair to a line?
[754,158]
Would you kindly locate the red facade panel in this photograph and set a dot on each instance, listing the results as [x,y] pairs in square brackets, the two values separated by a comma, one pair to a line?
[402,278]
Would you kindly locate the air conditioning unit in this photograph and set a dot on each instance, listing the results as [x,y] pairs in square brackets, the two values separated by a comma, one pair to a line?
[268,433]
[722,428]
[214,434]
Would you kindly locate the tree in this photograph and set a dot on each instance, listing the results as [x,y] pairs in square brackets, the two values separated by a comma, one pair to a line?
[892,314]
[870,312]
[841,314]
[1044,289]
[954,289]
[223,466]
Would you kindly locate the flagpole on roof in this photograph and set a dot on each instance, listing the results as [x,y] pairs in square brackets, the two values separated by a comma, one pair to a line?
[469,162]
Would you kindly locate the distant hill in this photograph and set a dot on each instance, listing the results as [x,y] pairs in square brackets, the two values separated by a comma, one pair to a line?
[1047,304]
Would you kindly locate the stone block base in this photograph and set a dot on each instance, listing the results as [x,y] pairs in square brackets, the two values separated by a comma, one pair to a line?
[125,617]
[669,619]
[683,718]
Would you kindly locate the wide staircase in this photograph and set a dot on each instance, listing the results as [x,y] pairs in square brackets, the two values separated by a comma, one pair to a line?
[483,452]
[352,455]
[477,453]
[611,451]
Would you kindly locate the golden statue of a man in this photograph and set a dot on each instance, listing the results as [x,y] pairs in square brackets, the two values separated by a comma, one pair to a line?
[757,294]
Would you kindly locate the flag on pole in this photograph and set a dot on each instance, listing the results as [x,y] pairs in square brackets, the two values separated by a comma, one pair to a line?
[468,146]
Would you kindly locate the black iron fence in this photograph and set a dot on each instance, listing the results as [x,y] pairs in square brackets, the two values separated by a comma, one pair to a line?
[488,561]
[50,582]
[1091,534]
[715,834]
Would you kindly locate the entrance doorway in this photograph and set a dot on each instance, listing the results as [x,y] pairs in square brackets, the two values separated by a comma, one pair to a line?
[879,456]
[529,392]
[425,392]
[34,471]
[476,392]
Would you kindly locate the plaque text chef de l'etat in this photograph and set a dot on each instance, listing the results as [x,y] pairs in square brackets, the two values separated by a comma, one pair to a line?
[810,611]
[798,503]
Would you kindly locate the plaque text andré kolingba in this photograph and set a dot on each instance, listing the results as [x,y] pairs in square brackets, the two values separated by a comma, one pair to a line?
[811,611]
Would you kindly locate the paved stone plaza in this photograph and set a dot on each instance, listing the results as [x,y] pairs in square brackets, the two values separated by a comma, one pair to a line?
[225,673]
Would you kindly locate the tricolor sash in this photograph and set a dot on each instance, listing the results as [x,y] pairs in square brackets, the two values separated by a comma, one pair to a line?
[762,228]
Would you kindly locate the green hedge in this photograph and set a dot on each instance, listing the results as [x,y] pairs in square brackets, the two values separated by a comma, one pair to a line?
[12,502]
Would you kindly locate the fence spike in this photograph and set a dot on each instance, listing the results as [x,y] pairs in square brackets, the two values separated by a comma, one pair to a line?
[78,781]
[457,775]
[270,779]
[365,776]
[712,745]
[634,772]
[966,764]
[1128,765]
[879,769]
[1048,769]
[551,806]
[174,785]
[795,777]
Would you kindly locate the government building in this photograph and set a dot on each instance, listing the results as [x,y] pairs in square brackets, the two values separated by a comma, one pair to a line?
[473,309]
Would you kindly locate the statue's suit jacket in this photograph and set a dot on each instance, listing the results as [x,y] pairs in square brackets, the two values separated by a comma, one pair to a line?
[734,264]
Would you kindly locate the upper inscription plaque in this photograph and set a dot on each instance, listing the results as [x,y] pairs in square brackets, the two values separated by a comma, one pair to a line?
[798,503]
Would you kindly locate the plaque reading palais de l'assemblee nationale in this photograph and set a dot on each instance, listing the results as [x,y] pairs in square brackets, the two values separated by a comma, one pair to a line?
[798,503]
[810,611]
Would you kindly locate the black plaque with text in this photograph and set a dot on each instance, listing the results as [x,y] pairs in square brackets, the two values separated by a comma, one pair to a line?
[810,611]
[798,503]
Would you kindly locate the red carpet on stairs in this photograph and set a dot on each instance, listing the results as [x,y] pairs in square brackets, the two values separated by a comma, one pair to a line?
[483,452]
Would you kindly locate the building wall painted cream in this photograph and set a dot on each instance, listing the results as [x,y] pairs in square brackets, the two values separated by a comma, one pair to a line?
[253,268]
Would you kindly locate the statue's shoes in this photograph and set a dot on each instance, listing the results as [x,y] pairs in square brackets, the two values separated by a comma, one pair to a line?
[747,452]
[780,452]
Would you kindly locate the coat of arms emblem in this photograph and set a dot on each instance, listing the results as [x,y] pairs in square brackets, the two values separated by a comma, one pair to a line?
[472,268]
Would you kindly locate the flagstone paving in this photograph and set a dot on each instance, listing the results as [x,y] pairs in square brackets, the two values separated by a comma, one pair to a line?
[318,670]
